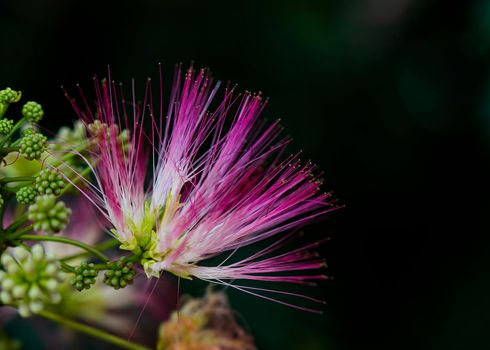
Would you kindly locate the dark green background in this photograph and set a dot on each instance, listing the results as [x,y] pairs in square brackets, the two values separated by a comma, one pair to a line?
[390,97]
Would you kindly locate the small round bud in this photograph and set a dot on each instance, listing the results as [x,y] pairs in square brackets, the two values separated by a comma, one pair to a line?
[8,284]
[119,274]
[9,96]
[49,181]
[5,297]
[72,136]
[7,260]
[1,200]
[24,310]
[27,131]
[49,215]
[19,291]
[97,128]
[51,284]
[51,270]
[37,252]
[21,254]
[33,111]
[6,126]
[26,195]
[36,306]
[55,298]
[85,276]
[33,145]
[101,131]
[35,292]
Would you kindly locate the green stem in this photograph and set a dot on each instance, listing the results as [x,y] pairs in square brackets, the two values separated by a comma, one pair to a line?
[100,247]
[6,150]
[97,333]
[79,149]
[20,233]
[69,241]
[79,176]
[101,267]
[13,189]
[3,109]
[6,180]
[2,213]
[14,129]
[105,266]
[67,267]
[21,220]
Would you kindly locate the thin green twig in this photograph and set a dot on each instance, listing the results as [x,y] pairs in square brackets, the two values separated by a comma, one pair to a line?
[100,247]
[69,241]
[97,333]
[6,180]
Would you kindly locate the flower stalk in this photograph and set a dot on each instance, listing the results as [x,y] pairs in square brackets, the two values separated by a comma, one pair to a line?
[66,240]
[94,332]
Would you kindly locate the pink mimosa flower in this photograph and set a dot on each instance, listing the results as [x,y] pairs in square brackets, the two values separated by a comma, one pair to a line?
[218,183]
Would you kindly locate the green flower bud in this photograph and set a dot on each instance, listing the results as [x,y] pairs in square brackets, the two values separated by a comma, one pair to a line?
[85,276]
[119,274]
[49,181]
[1,201]
[72,136]
[32,145]
[27,280]
[9,96]
[49,215]
[26,195]
[33,111]
[6,126]
[97,128]
[28,131]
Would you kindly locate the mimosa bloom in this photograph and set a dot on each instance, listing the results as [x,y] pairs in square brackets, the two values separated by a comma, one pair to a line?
[217,182]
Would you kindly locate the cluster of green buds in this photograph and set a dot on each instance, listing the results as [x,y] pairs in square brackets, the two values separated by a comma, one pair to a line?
[49,181]
[110,134]
[26,195]
[30,280]
[98,129]
[73,139]
[8,96]
[48,215]
[32,144]
[72,136]
[119,274]
[33,111]
[6,126]
[85,276]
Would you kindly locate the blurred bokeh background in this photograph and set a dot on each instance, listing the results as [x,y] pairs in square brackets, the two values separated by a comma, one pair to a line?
[390,97]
